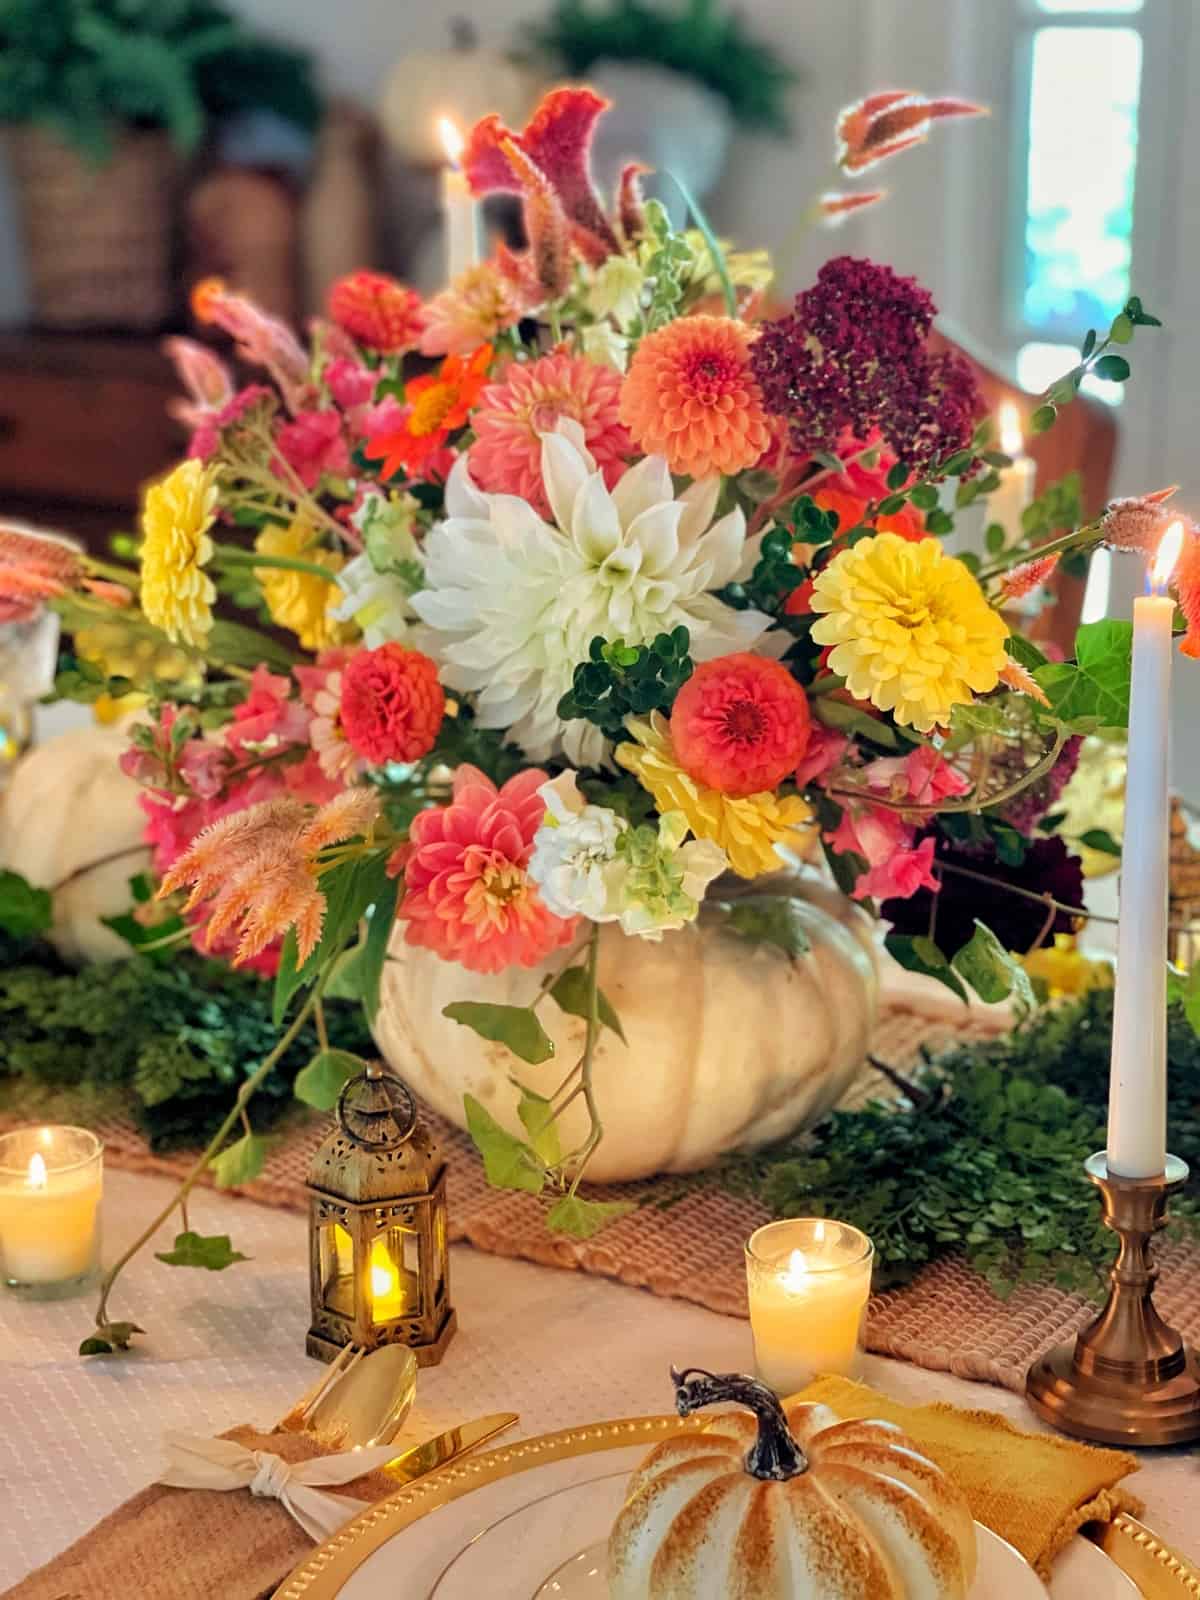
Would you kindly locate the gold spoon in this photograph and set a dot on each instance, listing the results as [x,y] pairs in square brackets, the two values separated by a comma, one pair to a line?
[363,1399]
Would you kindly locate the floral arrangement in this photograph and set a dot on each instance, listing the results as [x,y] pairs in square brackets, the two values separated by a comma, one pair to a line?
[598,583]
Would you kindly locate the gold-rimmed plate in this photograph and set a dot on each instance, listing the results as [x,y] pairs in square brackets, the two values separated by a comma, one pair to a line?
[402,1548]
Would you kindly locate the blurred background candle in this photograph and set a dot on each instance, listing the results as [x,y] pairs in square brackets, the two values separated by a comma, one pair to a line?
[50,1185]
[1014,492]
[1137,1103]
[458,207]
[809,1280]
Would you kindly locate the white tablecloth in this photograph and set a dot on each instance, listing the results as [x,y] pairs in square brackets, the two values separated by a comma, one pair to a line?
[77,1438]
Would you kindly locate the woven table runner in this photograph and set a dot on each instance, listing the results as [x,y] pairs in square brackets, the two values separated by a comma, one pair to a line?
[689,1245]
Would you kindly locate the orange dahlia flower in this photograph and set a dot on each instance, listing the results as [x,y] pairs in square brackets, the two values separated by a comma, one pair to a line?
[436,406]
[378,311]
[689,395]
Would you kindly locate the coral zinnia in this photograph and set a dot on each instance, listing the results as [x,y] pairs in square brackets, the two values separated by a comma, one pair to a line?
[740,724]
[468,894]
[527,402]
[300,600]
[690,396]
[392,704]
[747,827]
[177,594]
[436,405]
[378,311]
[911,629]
[478,305]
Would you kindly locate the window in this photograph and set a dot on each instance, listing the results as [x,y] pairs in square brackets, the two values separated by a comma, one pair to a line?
[1083,80]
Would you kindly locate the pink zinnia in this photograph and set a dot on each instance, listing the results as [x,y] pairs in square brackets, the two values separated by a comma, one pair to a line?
[527,402]
[312,444]
[467,891]
[740,724]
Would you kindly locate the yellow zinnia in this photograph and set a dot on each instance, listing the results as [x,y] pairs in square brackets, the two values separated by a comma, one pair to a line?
[912,630]
[747,827]
[300,600]
[177,594]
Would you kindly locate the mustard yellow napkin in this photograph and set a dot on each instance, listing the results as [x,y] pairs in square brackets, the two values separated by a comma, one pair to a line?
[1033,1489]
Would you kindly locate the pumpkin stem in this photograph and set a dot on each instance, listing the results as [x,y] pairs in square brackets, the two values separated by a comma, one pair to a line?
[774,1455]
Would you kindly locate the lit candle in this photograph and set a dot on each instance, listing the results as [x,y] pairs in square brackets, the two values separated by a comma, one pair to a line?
[458,206]
[1015,490]
[50,1185]
[809,1281]
[392,1291]
[1137,1096]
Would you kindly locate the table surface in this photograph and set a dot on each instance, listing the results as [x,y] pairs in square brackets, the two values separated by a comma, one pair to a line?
[78,1437]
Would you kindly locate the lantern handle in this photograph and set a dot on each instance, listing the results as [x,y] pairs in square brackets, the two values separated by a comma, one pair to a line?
[404,1112]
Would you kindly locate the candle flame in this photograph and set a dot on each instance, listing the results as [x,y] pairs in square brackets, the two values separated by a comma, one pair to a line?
[452,139]
[1167,554]
[383,1280]
[796,1275]
[36,1178]
[1011,440]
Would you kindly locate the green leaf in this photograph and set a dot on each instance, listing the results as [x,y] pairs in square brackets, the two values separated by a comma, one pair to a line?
[1185,992]
[1089,343]
[24,910]
[768,919]
[212,1251]
[991,970]
[939,522]
[1121,331]
[1100,839]
[581,1218]
[570,991]
[348,889]
[1043,418]
[897,476]
[240,1162]
[890,504]
[924,496]
[711,240]
[515,1027]
[508,1162]
[915,953]
[1025,651]
[109,1338]
[851,719]
[993,538]
[1114,368]
[368,968]
[537,1118]
[321,1082]
[1094,691]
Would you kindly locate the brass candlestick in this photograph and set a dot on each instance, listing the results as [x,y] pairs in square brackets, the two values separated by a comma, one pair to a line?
[1128,1378]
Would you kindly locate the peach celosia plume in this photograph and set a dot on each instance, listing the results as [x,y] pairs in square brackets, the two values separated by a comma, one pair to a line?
[1030,575]
[1136,522]
[33,569]
[1014,676]
[884,124]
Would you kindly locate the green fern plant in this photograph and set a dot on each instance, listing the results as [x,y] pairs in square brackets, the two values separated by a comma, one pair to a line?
[86,68]
[699,38]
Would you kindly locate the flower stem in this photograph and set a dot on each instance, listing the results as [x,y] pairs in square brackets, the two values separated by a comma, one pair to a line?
[596,1132]
[247,558]
[237,1111]
[1014,558]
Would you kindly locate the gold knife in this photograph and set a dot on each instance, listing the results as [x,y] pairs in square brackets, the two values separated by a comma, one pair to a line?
[448,1446]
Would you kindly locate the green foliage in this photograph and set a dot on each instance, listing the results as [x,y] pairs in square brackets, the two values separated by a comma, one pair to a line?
[24,910]
[109,1338]
[1097,358]
[1093,691]
[991,970]
[571,993]
[85,68]
[350,890]
[583,1219]
[242,1161]
[214,1252]
[515,1027]
[700,38]
[619,680]
[321,1082]
[989,1161]
[767,919]
[508,1162]
[916,953]
[173,1041]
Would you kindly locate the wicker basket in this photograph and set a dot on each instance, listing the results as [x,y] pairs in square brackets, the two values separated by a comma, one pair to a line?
[98,239]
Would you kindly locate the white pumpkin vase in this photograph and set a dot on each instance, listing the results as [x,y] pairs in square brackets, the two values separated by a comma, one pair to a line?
[731,1044]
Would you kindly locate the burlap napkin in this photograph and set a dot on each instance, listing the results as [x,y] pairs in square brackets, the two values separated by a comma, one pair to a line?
[1033,1489]
[191,1544]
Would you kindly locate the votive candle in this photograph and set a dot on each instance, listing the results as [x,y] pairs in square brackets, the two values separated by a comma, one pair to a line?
[809,1280]
[50,1186]
[1014,493]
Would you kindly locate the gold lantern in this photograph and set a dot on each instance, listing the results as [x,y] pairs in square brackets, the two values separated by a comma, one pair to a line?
[378,1261]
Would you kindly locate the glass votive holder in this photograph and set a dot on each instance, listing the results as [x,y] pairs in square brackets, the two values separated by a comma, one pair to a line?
[809,1279]
[50,1185]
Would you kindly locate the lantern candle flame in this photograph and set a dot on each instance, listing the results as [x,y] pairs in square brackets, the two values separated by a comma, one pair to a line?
[451,139]
[1166,556]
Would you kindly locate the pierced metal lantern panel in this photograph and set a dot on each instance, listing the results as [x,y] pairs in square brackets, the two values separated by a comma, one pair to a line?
[378,1244]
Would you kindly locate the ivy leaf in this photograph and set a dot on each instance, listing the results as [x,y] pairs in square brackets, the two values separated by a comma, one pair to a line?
[515,1027]
[109,1338]
[24,909]
[991,970]
[321,1082]
[1100,839]
[242,1161]
[1092,692]
[570,991]
[212,1251]
[768,919]
[508,1162]
[581,1218]
[349,890]
[916,953]
[537,1118]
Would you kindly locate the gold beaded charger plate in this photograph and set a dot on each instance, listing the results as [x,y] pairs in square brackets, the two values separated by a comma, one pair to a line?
[509,1525]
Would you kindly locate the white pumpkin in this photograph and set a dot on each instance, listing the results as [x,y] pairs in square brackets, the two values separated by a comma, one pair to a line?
[730,1044]
[463,83]
[70,821]
[786,1504]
